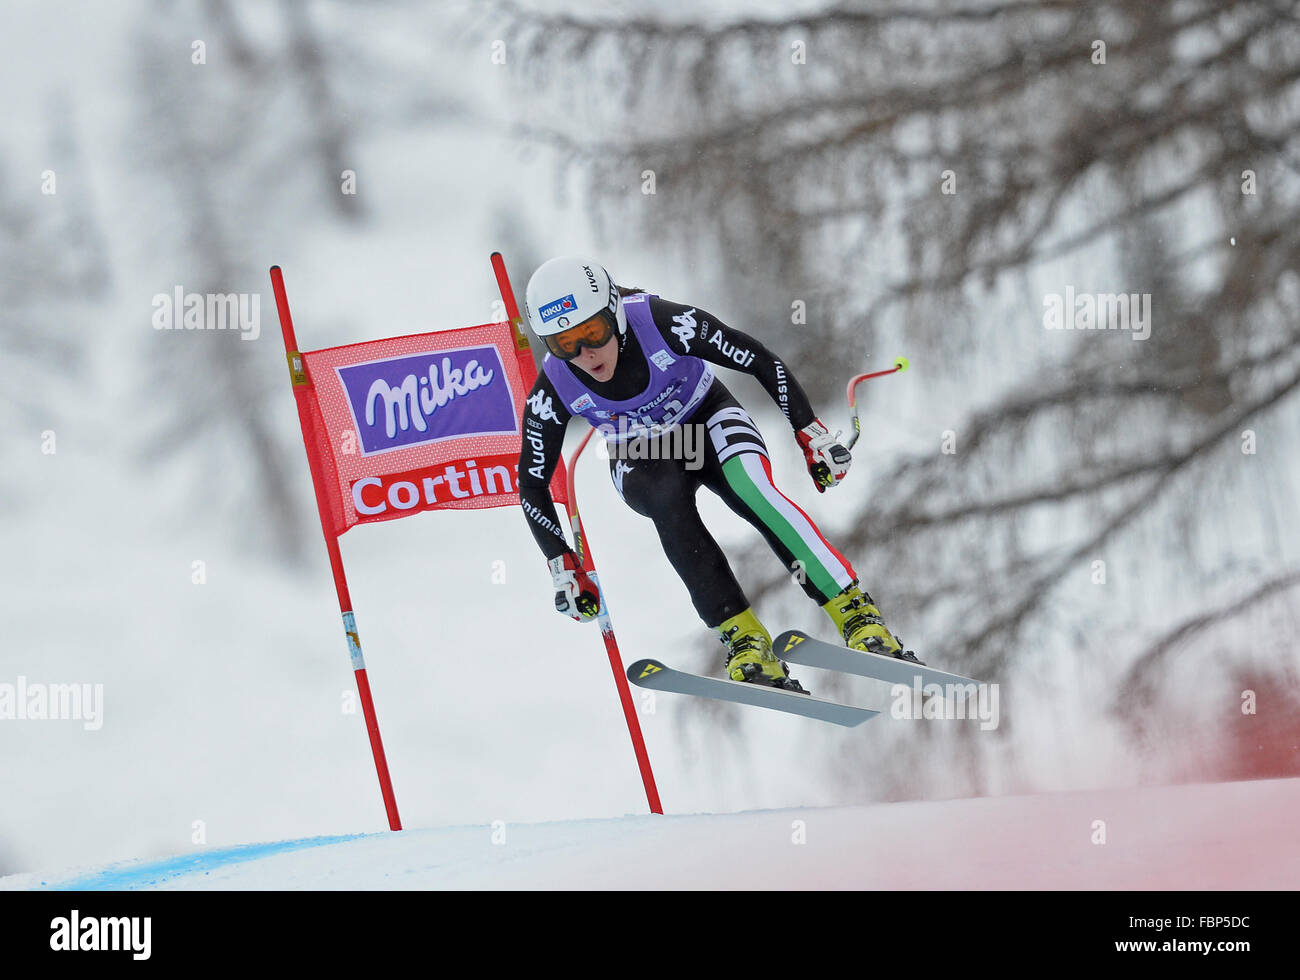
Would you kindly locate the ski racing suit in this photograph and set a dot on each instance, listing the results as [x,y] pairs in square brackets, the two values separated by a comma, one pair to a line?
[664,381]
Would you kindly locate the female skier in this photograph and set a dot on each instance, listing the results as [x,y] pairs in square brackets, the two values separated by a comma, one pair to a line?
[639,367]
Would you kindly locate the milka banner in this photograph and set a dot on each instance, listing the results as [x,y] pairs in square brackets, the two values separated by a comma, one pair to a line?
[423,422]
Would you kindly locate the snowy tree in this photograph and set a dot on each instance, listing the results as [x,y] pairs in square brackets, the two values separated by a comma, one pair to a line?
[928,177]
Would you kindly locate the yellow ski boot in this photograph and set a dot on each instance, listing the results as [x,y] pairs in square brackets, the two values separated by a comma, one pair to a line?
[855,615]
[749,654]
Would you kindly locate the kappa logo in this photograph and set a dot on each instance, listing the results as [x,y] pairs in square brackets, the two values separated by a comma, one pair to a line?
[685,328]
[650,669]
[540,405]
[621,469]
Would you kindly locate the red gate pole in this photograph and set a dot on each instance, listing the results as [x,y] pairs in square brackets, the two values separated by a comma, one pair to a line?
[607,632]
[580,546]
[302,392]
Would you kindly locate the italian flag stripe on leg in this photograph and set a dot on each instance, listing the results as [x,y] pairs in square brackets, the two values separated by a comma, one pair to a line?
[748,474]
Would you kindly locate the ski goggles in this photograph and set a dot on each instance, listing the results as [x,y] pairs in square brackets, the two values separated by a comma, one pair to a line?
[593,332]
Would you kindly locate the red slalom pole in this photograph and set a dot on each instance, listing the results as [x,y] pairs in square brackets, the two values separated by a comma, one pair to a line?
[607,632]
[900,364]
[579,542]
[302,395]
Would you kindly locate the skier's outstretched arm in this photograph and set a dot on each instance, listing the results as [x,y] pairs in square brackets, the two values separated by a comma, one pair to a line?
[545,420]
[691,330]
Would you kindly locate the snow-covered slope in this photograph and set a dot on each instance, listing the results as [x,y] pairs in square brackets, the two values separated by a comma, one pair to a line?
[1215,836]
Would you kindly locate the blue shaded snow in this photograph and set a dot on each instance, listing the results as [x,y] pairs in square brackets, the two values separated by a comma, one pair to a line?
[134,874]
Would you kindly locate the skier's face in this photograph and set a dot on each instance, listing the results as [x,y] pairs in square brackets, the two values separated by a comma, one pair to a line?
[599,361]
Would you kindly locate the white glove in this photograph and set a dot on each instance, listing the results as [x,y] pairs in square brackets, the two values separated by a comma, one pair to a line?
[576,595]
[828,461]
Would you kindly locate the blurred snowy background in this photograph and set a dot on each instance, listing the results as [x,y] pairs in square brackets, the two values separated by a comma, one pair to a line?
[1104,525]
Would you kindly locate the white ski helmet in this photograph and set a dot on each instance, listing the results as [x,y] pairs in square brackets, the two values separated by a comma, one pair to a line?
[566,292]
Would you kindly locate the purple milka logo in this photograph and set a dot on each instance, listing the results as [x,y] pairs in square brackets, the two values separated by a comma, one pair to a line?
[447,394]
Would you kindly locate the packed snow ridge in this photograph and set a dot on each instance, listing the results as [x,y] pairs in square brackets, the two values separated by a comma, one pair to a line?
[1209,836]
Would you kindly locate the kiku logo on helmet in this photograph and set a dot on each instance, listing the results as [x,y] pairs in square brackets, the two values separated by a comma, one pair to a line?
[557,307]
[584,288]
[442,394]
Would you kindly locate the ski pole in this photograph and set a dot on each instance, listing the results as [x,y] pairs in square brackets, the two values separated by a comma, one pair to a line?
[900,364]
